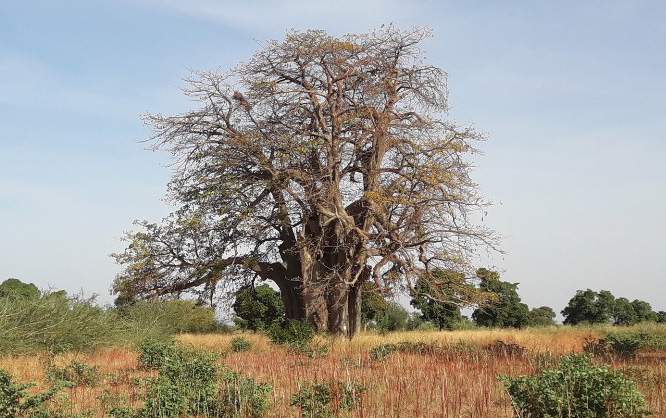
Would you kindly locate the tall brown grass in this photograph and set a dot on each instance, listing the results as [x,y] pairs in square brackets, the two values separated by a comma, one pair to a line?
[458,379]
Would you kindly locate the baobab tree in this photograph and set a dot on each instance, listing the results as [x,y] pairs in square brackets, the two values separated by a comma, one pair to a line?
[319,164]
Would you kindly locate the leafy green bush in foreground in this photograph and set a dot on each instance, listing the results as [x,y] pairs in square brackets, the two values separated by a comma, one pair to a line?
[190,383]
[576,389]
[15,402]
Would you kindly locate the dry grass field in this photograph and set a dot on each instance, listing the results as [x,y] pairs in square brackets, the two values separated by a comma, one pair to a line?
[457,380]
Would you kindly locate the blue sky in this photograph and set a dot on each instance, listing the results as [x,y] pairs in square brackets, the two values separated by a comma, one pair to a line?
[571,94]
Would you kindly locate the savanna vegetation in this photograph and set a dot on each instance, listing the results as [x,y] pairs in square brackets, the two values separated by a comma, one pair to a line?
[471,373]
[326,167]
[172,359]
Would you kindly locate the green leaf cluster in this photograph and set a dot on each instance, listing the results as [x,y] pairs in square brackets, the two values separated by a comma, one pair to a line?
[443,313]
[16,403]
[575,389]
[507,310]
[190,383]
[257,308]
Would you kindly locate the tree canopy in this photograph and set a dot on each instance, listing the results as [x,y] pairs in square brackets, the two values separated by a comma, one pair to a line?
[589,307]
[506,310]
[442,311]
[14,288]
[319,164]
[257,307]
[542,316]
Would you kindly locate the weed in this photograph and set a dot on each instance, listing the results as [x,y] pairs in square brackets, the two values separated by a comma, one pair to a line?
[240,345]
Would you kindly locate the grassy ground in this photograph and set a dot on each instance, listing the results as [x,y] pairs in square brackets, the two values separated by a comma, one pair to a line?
[458,380]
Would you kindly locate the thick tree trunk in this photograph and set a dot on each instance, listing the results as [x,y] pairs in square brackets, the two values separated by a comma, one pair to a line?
[338,308]
[315,308]
[339,313]
[354,309]
[291,298]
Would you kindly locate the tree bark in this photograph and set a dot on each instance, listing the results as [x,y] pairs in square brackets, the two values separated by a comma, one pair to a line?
[291,298]
[354,309]
[338,309]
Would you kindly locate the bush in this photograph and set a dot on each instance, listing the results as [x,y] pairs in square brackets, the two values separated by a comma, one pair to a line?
[160,318]
[625,344]
[382,351]
[319,400]
[153,352]
[242,397]
[53,322]
[15,402]
[294,332]
[500,348]
[577,388]
[240,344]
[186,386]
[75,372]
[190,383]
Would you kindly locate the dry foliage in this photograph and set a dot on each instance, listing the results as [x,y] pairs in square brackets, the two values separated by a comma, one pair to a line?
[458,378]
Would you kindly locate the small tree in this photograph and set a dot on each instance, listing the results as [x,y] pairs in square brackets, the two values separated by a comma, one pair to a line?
[393,318]
[437,300]
[258,307]
[506,310]
[643,310]
[373,302]
[14,288]
[661,317]
[589,307]
[542,316]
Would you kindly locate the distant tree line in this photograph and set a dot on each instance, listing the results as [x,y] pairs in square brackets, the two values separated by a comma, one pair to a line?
[438,307]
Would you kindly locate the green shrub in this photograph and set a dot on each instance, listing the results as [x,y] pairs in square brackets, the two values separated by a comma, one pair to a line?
[53,322]
[625,344]
[75,372]
[15,402]
[186,385]
[294,332]
[311,349]
[576,389]
[242,397]
[240,345]
[500,348]
[382,351]
[189,383]
[318,400]
[153,352]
